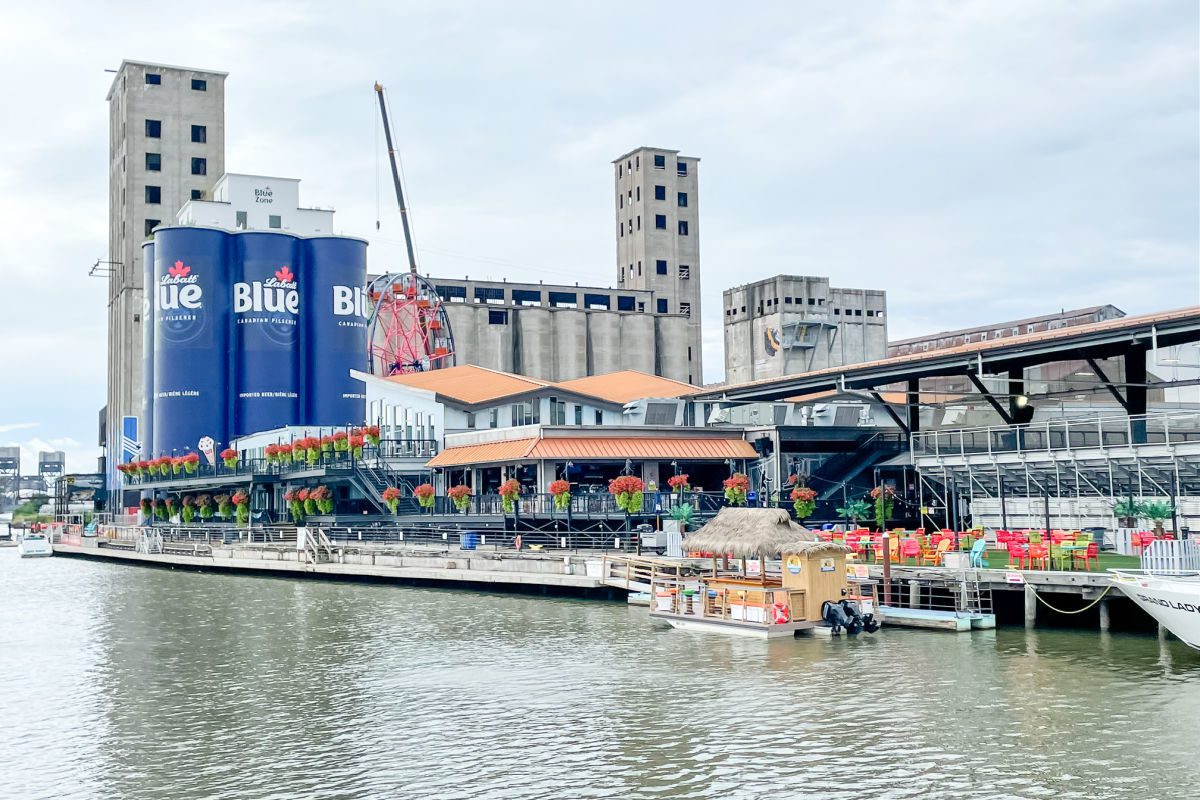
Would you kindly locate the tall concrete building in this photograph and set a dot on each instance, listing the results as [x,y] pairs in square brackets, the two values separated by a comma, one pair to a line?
[166,147]
[796,323]
[657,206]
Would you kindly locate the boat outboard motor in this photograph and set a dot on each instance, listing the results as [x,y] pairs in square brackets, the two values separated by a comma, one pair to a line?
[864,622]
[835,616]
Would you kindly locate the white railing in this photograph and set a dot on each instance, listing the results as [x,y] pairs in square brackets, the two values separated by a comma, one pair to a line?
[1172,556]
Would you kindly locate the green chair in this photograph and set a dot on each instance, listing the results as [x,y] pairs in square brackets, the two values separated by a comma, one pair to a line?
[966,541]
[1083,538]
[1058,556]
[1035,537]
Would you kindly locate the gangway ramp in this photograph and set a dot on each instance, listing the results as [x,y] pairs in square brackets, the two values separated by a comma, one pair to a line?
[635,573]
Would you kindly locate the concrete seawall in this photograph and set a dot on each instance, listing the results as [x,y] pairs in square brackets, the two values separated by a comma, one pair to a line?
[485,571]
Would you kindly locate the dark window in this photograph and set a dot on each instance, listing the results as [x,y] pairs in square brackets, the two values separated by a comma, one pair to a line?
[660,267]
[599,417]
[662,306]
[525,413]
[199,85]
[681,167]
[470,419]
[639,268]
[154,129]
[683,229]
[685,272]
[154,162]
[240,217]
[526,297]
[197,194]
[639,193]
[453,294]
[637,162]
[151,224]
[660,162]
[563,299]
[199,166]
[787,300]
[622,228]
[685,309]
[660,222]
[489,294]
[153,78]
[620,170]
[578,415]
[660,193]
[597,301]
[153,194]
[641,306]
[625,303]
[497,317]
[639,220]
[660,414]
[494,420]
[682,199]
[620,201]
[200,136]
[558,412]
[273,221]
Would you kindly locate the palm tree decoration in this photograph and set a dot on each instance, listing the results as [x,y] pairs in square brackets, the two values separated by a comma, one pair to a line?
[1158,512]
[854,511]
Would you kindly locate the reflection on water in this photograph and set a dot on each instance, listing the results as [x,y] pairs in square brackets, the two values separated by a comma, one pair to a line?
[123,682]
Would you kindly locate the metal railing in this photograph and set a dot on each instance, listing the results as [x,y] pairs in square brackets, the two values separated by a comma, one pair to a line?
[388,451]
[1172,556]
[1061,435]
[583,505]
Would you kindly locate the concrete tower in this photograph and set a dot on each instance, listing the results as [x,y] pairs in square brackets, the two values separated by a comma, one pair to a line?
[657,207]
[166,146]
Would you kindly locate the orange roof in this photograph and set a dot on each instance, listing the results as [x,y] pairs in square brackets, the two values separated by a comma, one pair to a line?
[626,385]
[584,448]
[470,384]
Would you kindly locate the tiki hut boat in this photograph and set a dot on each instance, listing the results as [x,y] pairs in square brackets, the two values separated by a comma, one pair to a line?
[757,597]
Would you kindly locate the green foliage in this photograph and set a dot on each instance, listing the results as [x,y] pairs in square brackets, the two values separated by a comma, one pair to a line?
[1157,510]
[855,510]
[1129,509]
[683,514]
[28,511]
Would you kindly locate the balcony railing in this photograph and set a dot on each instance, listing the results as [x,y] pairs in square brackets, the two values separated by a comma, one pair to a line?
[1061,435]
[386,453]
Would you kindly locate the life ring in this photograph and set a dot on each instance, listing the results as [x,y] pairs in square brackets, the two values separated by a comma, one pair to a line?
[517,542]
[779,613]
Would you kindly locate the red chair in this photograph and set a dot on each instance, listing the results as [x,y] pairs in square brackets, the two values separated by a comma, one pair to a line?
[1039,552]
[1087,556]
[910,548]
[1003,537]
[1016,555]
[1137,541]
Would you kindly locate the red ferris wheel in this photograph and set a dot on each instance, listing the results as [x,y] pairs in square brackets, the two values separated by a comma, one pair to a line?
[408,329]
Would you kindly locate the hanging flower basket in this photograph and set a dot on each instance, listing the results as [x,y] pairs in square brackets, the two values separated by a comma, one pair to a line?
[679,483]
[356,446]
[341,441]
[425,495]
[326,444]
[323,497]
[628,491]
[884,498]
[312,449]
[188,511]
[230,457]
[804,502]
[191,463]
[224,505]
[204,502]
[737,486]
[160,509]
[241,502]
[271,451]
[372,434]
[561,491]
[510,490]
[391,496]
[147,508]
[308,501]
[295,505]
[461,497]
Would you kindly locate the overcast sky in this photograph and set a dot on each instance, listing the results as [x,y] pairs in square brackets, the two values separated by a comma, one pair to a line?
[979,161]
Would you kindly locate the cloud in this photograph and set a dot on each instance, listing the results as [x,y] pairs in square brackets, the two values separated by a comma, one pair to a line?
[17,426]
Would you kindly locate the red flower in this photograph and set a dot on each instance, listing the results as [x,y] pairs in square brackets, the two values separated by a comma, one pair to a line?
[559,487]
[678,481]
[371,430]
[390,493]
[424,490]
[229,452]
[339,436]
[737,482]
[302,495]
[284,274]
[803,494]
[356,441]
[626,484]
[289,496]
[458,492]
[239,498]
[180,270]
[510,488]
[192,458]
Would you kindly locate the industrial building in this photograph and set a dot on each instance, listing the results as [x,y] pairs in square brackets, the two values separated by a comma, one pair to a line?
[166,147]
[257,203]
[790,324]
[1002,330]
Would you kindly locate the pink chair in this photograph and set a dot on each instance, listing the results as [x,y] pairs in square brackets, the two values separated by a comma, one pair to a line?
[910,548]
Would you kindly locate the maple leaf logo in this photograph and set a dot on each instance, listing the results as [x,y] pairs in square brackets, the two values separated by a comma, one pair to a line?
[180,270]
[284,274]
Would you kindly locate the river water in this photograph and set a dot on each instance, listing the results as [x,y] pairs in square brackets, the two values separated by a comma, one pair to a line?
[127,682]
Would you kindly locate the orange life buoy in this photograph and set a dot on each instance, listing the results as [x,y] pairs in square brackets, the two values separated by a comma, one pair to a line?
[780,613]
[517,542]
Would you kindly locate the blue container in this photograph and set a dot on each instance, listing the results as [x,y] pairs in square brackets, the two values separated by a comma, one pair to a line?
[191,301]
[146,424]
[468,540]
[334,339]
[266,331]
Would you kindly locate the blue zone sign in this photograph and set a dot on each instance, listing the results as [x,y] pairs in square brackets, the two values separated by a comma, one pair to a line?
[131,446]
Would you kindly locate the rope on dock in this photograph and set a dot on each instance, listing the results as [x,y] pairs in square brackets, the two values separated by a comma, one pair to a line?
[1079,611]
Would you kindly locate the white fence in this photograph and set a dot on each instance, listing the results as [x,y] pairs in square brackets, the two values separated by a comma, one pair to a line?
[1170,555]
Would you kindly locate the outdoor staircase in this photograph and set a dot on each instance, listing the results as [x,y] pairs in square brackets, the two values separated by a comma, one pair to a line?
[843,468]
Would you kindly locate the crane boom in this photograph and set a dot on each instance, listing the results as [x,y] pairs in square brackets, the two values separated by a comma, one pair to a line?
[387,133]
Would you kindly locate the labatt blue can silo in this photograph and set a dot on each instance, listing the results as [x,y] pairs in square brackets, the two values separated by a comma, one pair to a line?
[146,426]
[266,317]
[334,312]
[191,301]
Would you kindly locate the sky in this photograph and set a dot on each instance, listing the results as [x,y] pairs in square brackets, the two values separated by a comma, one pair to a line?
[978,161]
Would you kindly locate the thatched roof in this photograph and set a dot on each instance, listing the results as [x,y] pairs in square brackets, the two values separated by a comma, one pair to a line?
[815,548]
[751,532]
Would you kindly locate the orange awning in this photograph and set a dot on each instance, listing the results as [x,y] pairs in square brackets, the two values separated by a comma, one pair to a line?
[584,448]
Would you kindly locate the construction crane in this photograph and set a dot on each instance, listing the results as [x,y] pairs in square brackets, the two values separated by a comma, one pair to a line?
[387,133]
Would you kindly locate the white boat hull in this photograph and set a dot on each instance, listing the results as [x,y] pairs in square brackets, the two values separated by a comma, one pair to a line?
[34,546]
[1174,601]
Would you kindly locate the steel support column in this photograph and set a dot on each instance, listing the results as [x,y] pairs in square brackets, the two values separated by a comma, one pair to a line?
[1135,392]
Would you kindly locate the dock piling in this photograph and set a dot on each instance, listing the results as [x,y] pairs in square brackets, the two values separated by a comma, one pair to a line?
[914,594]
[1030,606]
[1105,619]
